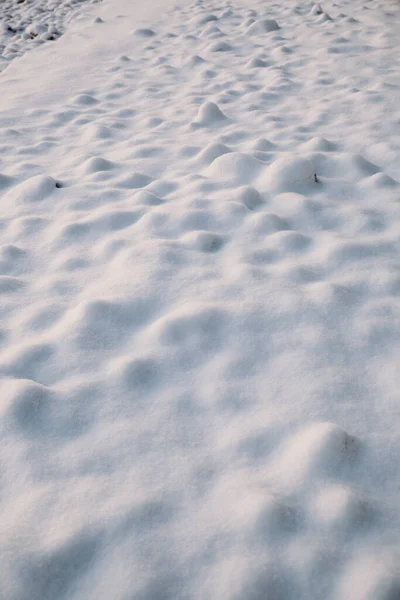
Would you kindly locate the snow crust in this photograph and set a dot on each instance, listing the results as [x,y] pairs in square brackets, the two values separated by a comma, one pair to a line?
[199,300]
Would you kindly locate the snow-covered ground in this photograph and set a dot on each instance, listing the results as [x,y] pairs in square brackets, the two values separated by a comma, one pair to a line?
[200,281]
[26,24]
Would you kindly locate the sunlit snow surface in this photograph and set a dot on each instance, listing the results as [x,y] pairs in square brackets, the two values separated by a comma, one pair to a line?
[199,299]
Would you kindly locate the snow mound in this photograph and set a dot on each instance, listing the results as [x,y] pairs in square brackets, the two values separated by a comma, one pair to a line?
[211,31]
[319,144]
[262,145]
[96,164]
[287,173]
[203,241]
[206,19]
[84,100]
[345,166]
[321,450]
[195,60]
[221,46]
[236,167]
[249,196]
[96,132]
[209,115]
[379,181]
[148,198]
[35,189]
[263,26]
[324,18]
[257,63]
[211,152]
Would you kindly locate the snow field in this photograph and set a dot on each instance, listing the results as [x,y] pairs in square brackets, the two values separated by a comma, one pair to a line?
[199,286]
